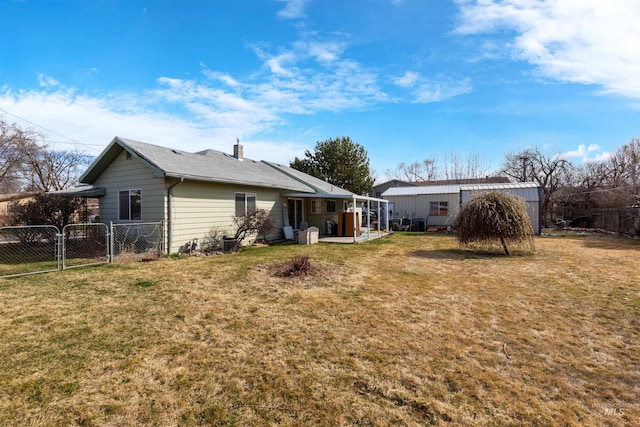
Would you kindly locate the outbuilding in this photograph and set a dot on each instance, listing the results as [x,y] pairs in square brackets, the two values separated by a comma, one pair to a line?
[438,205]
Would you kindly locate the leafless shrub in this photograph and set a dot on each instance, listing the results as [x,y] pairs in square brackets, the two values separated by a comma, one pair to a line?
[299,266]
[493,217]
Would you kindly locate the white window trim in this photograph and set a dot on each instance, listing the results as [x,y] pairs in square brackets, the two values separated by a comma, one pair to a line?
[129,201]
[440,208]
[318,205]
[255,196]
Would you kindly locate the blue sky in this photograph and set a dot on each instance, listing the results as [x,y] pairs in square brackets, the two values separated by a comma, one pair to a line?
[407,79]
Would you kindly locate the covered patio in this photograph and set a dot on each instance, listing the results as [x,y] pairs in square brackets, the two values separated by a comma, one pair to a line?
[365,236]
[341,218]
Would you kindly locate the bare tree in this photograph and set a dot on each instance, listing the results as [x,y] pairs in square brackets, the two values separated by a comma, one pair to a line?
[454,168]
[53,170]
[457,168]
[532,165]
[624,172]
[14,143]
[27,165]
[415,172]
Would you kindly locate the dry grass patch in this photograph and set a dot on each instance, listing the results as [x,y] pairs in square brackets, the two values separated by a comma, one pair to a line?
[406,330]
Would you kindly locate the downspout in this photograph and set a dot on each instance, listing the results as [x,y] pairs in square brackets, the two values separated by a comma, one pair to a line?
[169,213]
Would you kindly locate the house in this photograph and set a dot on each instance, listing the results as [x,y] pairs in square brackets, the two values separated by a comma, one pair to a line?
[195,192]
[438,205]
[8,201]
[378,189]
[485,180]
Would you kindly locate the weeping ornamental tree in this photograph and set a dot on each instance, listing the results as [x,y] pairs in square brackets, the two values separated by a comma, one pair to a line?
[495,219]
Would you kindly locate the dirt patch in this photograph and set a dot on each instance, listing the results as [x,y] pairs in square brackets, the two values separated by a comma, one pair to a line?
[298,268]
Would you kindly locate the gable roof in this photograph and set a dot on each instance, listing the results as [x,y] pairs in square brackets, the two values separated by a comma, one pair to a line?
[395,183]
[207,165]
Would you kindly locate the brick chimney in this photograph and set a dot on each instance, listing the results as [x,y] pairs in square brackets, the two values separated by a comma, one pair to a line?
[237,150]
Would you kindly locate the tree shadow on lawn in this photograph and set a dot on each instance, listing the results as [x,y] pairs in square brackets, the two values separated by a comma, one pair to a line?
[462,254]
[593,240]
[611,242]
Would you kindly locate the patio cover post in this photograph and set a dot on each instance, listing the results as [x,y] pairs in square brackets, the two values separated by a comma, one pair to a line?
[355,225]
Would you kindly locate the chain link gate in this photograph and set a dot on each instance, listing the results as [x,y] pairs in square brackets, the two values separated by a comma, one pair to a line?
[35,249]
[84,245]
[29,250]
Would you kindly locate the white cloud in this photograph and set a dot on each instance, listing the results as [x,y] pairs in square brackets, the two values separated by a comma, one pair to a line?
[576,41]
[408,79]
[437,91]
[428,90]
[294,9]
[325,52]
[585,153]
[93,122]
[310,76]
[581,151]
[47,81]
[222,77]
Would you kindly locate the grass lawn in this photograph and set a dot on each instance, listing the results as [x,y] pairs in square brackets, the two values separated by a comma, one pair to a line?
[405,330]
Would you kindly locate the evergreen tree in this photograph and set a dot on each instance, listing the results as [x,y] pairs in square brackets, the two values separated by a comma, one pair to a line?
[339,161]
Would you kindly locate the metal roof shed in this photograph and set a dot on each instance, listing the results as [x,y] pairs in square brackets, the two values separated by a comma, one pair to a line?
[439,204]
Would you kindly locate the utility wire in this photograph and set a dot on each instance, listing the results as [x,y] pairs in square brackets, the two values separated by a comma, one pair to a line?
[75,141]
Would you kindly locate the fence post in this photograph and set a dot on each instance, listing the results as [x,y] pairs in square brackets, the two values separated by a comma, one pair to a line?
[110,249]
[59,250]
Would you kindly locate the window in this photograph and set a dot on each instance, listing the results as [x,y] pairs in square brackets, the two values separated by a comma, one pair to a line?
[130,205]
[316,206]
[331,206]
[439,208]
[245,202]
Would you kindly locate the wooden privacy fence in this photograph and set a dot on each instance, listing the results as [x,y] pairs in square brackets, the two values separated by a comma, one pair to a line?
[44,248]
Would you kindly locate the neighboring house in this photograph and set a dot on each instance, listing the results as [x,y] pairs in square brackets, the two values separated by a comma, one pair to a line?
[7,201]
[378,189]
[461,181]
[195,192]
[438,205]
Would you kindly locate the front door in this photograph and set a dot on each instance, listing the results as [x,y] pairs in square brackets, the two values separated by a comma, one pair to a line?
[296,214]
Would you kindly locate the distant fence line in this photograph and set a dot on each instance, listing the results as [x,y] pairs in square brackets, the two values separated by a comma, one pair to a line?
[624,221]
[44,248]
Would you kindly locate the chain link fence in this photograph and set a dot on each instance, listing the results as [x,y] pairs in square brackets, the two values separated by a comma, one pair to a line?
[29,250]
[43,248]
[137,242]
[85,244]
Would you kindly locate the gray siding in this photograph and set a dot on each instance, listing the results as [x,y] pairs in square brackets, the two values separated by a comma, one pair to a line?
[130,174]
[419,206]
